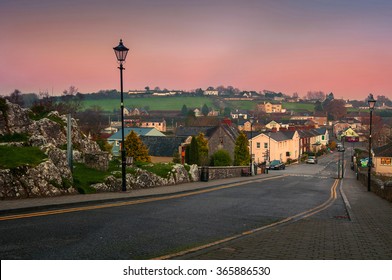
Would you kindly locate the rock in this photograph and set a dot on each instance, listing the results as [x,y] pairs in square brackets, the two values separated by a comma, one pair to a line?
[17,119]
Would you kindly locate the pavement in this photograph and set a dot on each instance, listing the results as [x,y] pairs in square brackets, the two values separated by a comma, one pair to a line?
[365,234]
[15,206]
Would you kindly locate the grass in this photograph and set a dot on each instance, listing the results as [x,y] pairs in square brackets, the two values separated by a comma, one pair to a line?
[169,103]
[161,169]
[16,137]
[154,103]
[85,176]
[12,157]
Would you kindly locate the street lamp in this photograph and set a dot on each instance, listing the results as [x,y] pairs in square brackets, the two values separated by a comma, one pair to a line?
[251,147]
[121,53]
[371,102]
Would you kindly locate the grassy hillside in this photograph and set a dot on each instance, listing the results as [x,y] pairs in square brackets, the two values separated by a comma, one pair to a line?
[176,102]
[153,103]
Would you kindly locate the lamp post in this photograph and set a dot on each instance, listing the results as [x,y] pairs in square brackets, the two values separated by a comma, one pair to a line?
[371,101]
[121,53]
[251,147]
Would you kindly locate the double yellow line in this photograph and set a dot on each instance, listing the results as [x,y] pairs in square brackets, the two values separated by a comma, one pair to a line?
[299,216]
[132,202]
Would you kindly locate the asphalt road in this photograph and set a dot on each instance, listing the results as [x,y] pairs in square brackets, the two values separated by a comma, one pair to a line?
[162,227]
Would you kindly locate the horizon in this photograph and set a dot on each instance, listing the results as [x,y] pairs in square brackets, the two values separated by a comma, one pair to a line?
[290,46]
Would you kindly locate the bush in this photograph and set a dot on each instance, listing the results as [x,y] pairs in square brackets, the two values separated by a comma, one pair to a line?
[221,158]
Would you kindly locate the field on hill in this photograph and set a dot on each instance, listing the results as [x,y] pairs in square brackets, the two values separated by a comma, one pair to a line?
[153,103]
[168,103]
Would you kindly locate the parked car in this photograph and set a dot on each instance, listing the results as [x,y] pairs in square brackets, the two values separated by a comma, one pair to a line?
[276,165]
[311,159]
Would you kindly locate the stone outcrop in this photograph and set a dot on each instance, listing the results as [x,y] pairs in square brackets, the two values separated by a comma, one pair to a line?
[53,176]
[142,179]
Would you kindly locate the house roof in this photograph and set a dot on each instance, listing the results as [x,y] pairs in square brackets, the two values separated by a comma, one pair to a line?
[279,136]
[141,131]
[384,151]
[229,130]
[192,130]
[162,146]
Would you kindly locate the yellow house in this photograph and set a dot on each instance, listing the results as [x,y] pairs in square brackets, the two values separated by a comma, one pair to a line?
[280,145]
[269,107]
[350,135]
[273,125]
[382,160]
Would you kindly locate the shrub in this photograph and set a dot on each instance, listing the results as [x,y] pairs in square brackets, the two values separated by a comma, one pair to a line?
[221,158]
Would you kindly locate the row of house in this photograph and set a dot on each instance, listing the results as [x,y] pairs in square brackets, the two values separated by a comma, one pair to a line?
[273,145]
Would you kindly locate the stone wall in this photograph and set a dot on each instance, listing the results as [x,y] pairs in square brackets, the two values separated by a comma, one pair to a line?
[97,160]
[218,172]
[379,187]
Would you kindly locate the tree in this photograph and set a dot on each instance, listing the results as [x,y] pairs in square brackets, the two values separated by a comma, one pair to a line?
[92,120]
[193,152]
[134,147]
[71,101]
[176,157]
[241,150]
[205,110]
[315,95]
[202,148]
[318,107]
[16,98]
[221,158]
[184,110]
[336,109]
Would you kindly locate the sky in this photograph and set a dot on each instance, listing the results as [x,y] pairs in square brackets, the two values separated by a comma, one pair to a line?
[339,46]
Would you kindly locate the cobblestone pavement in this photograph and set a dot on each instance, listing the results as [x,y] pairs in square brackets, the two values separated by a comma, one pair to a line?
[367,234]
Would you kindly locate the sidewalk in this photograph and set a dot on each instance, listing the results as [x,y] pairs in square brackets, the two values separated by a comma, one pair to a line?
[367,235]
[37,204]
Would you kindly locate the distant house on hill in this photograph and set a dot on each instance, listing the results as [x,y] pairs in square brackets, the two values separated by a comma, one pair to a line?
[158,123]
[237,114]
[211,92]
[135,112]
[268,107]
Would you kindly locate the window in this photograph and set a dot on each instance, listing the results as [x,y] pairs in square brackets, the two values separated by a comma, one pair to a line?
[386,161]
[287,154]
[265,145]
[258,145]
[323,137]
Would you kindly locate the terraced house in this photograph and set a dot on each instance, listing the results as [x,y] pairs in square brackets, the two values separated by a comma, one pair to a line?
[279,145]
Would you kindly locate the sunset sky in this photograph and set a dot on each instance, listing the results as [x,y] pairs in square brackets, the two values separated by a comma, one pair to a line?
[339,46]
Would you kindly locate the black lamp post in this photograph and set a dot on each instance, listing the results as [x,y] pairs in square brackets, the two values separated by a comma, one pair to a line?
[251,147]
[121,53]
[371,102]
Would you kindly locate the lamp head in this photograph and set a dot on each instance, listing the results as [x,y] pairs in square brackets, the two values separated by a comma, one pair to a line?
[371,101]
[121,51]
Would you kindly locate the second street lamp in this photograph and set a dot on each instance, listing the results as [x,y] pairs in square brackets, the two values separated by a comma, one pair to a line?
[121,53]
[371,101]
[251,147]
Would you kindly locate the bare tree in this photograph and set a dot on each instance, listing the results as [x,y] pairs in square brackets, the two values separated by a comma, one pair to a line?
[336,109]
[315,95]
[16,98]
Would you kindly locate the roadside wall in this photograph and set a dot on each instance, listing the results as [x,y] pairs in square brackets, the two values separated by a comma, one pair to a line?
[379,187]
[216,172]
